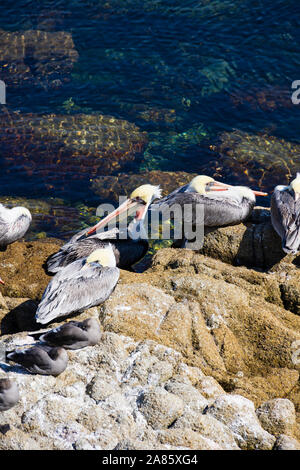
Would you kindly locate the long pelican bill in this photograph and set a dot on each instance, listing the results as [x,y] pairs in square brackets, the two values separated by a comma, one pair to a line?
[259,193]
[1,281]
[218,186]
[125,207]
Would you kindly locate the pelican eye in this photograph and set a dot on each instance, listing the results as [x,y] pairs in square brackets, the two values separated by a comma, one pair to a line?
[139,200]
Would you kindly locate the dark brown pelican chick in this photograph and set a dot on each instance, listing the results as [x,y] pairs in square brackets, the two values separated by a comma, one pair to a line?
[285,215]
[9,394]
[74,335]
[41,359]
[85,283]
[130,244]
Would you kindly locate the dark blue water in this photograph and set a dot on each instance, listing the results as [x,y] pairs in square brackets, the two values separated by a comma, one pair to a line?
[189,74]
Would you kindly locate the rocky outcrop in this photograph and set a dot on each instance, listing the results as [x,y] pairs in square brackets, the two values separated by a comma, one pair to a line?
[209,351]
[123,394]
[254,243]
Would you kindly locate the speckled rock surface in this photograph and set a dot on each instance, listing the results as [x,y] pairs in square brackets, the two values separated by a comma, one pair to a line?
[106,399]
[277,416]
[238,414]
[191,347]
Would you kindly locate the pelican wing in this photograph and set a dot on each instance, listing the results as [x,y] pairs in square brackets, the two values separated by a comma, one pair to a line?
[169,198]
[79,247]
[285,215]
[4,226]
[66,334]
[217,210]
[76,287]
[32,357]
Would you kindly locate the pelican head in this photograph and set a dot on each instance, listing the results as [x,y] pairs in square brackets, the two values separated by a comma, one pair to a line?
[22,211]
[104,256]
[202,184]
[295,186]
[140,199]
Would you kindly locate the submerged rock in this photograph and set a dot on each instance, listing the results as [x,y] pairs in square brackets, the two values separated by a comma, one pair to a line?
[111,187]
[36,57]
[74,145]
[268,160]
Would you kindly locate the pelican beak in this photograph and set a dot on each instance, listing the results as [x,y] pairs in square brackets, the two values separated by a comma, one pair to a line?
[128,205]
[1,281]
[259,193]
[218,186]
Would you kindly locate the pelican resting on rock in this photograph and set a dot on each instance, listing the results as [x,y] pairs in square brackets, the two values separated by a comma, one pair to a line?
[74,334]
[82,284]
[9,394]
[223,204]
[285,215]
[14,223]
[41,359]
[129,244]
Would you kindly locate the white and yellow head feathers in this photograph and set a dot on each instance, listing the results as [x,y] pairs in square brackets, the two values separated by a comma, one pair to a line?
[146,192]
[295,185]
[198,184]
[105,256]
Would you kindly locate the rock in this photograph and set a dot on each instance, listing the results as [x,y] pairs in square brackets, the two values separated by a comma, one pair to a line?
[187,439]
[249,244]
[209,388]
[101,387]
[238,413]
[209,427]
[21,267]
[100,403]
[3,304]
[277,416]
[52,54]
[286,443]
[192,398]
[77,145]
[130,306]
[160,407]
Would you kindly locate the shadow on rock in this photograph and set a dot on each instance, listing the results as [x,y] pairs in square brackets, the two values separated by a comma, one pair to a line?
[20,318]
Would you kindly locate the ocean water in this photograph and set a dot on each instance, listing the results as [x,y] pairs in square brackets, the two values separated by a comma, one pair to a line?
[205,86]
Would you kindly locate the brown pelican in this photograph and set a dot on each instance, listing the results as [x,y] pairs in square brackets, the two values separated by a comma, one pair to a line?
[223,204]
[14,223]
[74,334]
[129,245]
[41,359]
[285,214]
[9,394]
[80,285]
